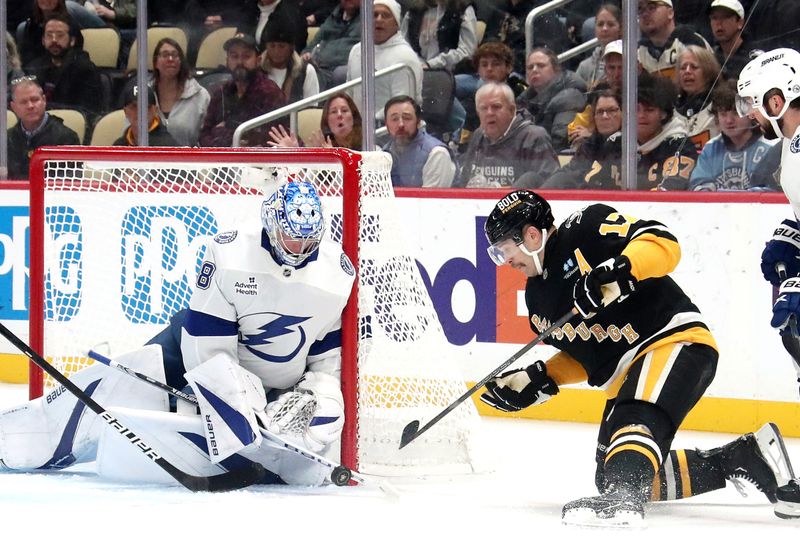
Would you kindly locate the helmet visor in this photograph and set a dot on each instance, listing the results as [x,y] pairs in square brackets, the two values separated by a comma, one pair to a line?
[744,106]
[501,251]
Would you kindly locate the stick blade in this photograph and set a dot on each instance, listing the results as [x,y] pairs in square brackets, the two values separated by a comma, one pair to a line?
[409,433]
[226,482]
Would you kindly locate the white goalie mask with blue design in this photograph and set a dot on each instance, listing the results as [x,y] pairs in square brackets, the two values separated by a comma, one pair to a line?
[292,218]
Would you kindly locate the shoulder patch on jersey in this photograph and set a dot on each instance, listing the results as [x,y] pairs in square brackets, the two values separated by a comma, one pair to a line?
[794,146]
[226,237]
[347,266]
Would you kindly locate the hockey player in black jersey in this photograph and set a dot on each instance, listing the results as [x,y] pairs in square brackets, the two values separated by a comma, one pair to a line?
[635,335]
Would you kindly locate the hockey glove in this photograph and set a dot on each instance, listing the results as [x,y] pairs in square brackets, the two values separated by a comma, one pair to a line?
[608,282]
[787,304]
[518,389]
[784,247]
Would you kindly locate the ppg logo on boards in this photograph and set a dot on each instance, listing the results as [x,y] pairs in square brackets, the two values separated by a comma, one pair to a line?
[14,224]
[162,250]
[63,251]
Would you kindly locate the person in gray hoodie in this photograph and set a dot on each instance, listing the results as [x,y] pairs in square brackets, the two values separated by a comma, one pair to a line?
[553,96]
[507,150]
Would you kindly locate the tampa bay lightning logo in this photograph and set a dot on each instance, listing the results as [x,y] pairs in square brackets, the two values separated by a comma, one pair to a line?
[276,331]
[794,146]
[226,237]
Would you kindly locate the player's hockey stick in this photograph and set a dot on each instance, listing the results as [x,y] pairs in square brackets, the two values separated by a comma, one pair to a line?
[231,480]
[790,339]
[412,430]
[340,475]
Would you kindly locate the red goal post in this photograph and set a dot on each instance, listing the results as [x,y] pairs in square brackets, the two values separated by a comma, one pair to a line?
[115,233]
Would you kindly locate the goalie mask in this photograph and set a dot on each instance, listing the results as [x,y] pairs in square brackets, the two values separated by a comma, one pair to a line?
[292,218]
[777,70]
[508,219]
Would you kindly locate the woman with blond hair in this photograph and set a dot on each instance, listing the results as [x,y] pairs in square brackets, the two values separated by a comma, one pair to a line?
[696,72]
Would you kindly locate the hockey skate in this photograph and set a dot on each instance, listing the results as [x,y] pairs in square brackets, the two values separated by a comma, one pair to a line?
[614,508]
[758,458]
[788,505]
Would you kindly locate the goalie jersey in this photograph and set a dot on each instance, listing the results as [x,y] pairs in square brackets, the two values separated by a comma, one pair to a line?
[274,320]
[656,313]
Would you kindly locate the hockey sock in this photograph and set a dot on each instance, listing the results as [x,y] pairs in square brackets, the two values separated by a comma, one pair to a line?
[685,473]
[632,460]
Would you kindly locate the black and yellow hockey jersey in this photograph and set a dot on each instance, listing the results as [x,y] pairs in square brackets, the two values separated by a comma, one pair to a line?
[658,312]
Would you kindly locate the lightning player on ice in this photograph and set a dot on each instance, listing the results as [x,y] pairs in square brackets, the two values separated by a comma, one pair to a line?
[650,350]
[261,347]
[769,93]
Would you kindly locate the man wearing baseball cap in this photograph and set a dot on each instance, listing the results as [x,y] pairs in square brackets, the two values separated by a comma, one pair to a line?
[731,50]
[662,40]
[157,134]
[249,94]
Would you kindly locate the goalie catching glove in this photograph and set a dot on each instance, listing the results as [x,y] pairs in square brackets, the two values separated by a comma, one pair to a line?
[312,413]
[605,284]
[518,389]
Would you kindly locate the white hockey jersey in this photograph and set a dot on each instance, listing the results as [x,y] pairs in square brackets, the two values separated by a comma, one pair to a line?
[275,320]
[790,167]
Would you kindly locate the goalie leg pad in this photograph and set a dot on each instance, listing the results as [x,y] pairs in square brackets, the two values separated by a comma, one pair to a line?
[229,397]
[56,430]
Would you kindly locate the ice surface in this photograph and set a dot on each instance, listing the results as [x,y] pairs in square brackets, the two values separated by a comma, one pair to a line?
[536,467]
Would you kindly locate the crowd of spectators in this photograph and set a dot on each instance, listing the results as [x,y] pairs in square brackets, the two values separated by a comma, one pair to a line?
[512,119]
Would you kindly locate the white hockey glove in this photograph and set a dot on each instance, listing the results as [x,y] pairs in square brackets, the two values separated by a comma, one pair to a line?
[313,413]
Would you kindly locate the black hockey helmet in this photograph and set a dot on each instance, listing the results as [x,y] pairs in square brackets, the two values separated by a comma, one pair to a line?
[513,212]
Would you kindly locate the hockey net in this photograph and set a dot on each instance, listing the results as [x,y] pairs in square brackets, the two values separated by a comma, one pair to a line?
[117,236]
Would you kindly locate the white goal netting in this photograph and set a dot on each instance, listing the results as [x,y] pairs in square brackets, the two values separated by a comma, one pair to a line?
[123,233]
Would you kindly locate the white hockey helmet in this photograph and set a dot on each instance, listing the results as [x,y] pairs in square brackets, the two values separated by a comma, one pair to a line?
[776,69]
[292,218]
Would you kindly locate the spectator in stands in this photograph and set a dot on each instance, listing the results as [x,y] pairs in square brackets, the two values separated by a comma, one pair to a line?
[157,134]
[182,102]
[13,63]
[773,23]
[121,14]
[390,48]
[507,25]
[666,155]
[507,150]
[17,12]
[316,11]
[296,78]
[330,48]
[65,72]
[608,28]
[201,17]
[289,14]
[340,126]
[662,41]
[697,71]
[727,21]
[443,33]
[36,127]
[729,160]
[418,159]
[554,96]
[582,126]
[249,94]
[30,33]
[603,146]
[494,62]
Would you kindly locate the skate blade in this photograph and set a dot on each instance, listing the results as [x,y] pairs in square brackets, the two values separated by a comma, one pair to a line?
[584,517]
[787,510]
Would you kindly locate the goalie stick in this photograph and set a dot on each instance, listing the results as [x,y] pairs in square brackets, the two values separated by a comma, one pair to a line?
[340,475]
[231,480]
[412,430]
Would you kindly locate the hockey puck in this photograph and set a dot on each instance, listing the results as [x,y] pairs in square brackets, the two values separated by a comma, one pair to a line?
[341,475]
